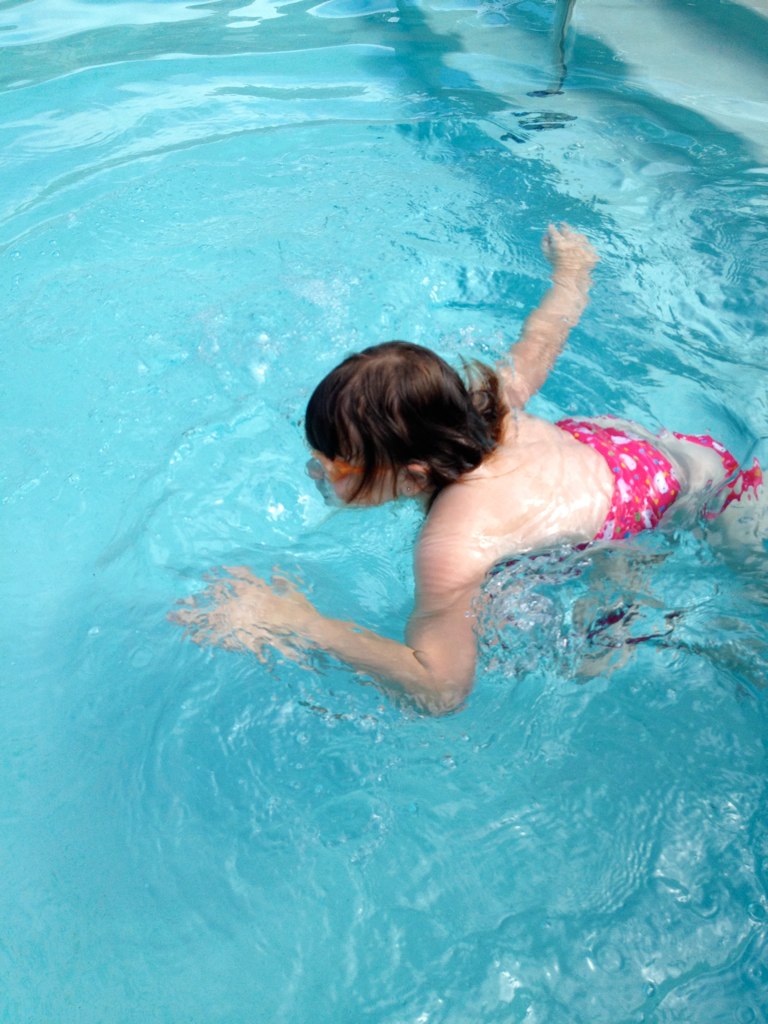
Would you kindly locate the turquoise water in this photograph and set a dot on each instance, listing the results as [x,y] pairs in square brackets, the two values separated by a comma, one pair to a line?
[202,208]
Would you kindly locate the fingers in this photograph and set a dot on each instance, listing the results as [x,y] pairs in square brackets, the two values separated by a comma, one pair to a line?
[565,247]
[562,232]
[237,611]
[185,616]
[557,239]
[241,572]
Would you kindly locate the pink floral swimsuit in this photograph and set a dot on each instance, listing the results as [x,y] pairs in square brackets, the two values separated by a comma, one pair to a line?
[645,482]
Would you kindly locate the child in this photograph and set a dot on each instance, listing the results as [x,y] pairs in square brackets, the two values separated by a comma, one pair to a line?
[395,421]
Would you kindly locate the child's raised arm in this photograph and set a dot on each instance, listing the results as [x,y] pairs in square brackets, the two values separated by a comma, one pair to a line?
[547,327]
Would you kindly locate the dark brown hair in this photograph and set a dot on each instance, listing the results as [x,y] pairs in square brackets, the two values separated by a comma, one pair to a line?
[398,403]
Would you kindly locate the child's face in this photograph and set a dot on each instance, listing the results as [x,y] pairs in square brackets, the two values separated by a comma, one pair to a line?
[338,479]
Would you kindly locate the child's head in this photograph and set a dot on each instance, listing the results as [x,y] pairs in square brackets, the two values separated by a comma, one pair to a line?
[397,404]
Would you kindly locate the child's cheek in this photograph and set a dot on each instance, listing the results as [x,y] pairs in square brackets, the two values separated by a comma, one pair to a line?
[344,489]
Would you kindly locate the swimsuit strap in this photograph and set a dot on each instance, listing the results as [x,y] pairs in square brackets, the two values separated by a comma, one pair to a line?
[645,484]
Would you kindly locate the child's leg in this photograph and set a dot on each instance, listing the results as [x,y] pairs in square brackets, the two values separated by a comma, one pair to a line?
[736,485]
[735,502]
[737,511]
[740,529]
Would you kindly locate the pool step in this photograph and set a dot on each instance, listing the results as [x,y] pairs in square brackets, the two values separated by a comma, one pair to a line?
[706,58]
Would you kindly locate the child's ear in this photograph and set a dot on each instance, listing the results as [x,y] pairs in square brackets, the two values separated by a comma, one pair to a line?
[418,473]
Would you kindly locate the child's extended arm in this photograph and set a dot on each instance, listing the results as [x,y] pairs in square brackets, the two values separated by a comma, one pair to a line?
[435,666]
[546,329]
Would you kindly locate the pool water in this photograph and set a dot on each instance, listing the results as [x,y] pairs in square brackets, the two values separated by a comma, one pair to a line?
[203,207]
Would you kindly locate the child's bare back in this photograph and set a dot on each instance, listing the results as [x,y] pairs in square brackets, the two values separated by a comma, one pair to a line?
[538,489]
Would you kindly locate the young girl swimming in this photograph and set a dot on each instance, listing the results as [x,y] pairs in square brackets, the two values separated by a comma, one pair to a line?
[396,421]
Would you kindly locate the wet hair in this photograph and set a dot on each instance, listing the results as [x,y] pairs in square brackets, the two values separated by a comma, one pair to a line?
[398,403]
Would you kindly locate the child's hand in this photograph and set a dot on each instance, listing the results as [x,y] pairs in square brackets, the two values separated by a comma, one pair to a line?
[240,611]
[567,250]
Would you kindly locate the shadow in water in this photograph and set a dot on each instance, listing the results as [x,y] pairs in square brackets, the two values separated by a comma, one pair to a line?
[423,56]
[562,20]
